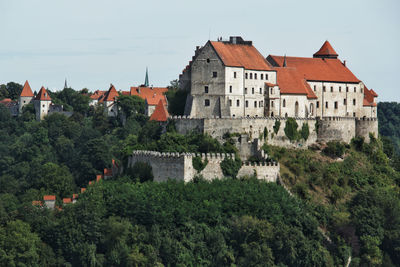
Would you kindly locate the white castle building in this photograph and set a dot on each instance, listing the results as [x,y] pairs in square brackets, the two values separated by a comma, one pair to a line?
[232,79]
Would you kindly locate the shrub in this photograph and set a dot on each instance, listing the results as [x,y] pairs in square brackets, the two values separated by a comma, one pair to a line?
[198,164]
[230,167]
[141,172]
[358,143]
[334,149]
[265,133]
[305,131]
[291,129]
[277,126]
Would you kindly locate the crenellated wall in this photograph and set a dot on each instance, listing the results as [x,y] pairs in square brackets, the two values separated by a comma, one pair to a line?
[329,128]
[179,166]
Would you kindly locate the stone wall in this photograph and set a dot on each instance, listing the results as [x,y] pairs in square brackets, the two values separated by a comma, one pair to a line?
[179,166]
[336,129]
[364,126]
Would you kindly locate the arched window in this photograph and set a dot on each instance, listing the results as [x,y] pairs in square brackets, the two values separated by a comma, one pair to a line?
[286,115]
[296,109]
[272,104]
[284,103]
[272,114]
[312,109]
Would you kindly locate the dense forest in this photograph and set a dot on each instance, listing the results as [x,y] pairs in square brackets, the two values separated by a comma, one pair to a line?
[345,199]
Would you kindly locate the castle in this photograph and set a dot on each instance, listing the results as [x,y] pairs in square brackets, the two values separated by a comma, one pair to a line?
[232,88]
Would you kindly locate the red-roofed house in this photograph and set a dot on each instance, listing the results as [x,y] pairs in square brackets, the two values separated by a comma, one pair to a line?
[67,200]
[49,201]
[151,95]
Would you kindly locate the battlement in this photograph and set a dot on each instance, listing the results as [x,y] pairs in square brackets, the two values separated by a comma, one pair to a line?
[179,166]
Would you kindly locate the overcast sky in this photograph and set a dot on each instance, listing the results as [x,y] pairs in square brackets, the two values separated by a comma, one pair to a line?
[93,43]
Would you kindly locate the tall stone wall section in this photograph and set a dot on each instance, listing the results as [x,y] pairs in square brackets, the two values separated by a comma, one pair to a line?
[329,128]
[252,126]
[179,166]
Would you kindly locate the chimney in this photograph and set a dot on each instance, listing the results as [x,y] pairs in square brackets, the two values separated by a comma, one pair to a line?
[344,63]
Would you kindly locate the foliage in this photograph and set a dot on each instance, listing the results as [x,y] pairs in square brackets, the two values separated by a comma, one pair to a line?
[291,129]
[198,164]
[140,172]
[10,90]
[389,122]
[131,104]
[176,99]
[334,149]
[276,127]
[305,131]
[230,167]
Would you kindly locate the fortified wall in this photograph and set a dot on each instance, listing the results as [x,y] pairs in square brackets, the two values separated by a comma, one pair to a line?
[179,166]
[329,128]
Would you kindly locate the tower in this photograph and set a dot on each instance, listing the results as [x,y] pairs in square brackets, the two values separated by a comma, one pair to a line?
[42,104]
[25,97]
[146,79]
[326,51]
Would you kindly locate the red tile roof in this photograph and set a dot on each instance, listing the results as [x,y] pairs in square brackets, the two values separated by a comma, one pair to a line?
[326,50]
[97,94]
[43,95]
[108,172]
[240,55]
[67,200]
[160,113]
[369,96]
[26,91]
[91,182]
[49,197]
[270,84]
[74,196]
[152,95]
[317,69]
[111,94]
[8,102]
[83,190]
[291,82]
[99,177]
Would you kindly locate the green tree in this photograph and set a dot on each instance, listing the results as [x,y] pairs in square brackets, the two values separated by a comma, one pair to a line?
[291,129]
[131,104]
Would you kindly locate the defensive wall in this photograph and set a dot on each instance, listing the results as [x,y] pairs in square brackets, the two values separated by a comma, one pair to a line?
[179,166]
[329,128]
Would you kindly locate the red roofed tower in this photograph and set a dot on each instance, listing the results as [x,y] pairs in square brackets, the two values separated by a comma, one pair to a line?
[42,104]
[25,97]
[326,51]
[109,101]
[160,113]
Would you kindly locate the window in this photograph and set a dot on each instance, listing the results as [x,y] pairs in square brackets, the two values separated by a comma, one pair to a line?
[43,105]
[317,104]
[266,76]
[326,104]
[238,103]
[245,90]
[247,103]
[347,89]
[336,105]
[284,103]
[234,74]
[354,102]
[354,114]
[230,102]
[246,75]
[261,103]
[344,101]
[324,88]
[214,74]
[272,91]
[255,76]
[272,104]
[340,88]
[255,104]
[207,102]
[355,89]
[260,90]
[230,89]
[331,88]
[361,90]
[251,75]
[208,60]
[262,76]
[252,90]
[206,89]
[24,101]
[315,88]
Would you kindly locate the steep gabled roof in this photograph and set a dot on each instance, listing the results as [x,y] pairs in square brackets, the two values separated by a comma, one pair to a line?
[160,113]
[326,50]
[240,55]
[152,95]
[43,95]
[291,82]
[369,96]
[97,94]
[26,91]
[111,94]
[317,69]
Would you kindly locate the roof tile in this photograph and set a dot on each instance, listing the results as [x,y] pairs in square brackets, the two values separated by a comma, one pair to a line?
[160,113]
[26,91]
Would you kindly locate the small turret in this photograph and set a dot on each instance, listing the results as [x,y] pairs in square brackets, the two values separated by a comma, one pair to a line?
[326,51]
[25,97]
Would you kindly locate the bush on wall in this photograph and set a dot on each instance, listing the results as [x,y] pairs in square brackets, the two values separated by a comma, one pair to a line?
[198,164]
[291,129]
[230,167]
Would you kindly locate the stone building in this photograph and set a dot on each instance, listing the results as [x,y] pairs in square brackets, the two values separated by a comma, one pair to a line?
[232,79]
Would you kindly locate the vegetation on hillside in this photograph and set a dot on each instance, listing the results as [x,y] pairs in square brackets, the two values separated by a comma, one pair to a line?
[346,192]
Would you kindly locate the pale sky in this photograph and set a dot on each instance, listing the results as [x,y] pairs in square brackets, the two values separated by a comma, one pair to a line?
[93,43]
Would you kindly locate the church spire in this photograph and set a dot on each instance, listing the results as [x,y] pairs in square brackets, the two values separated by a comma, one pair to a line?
[146,79]
[65,84]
